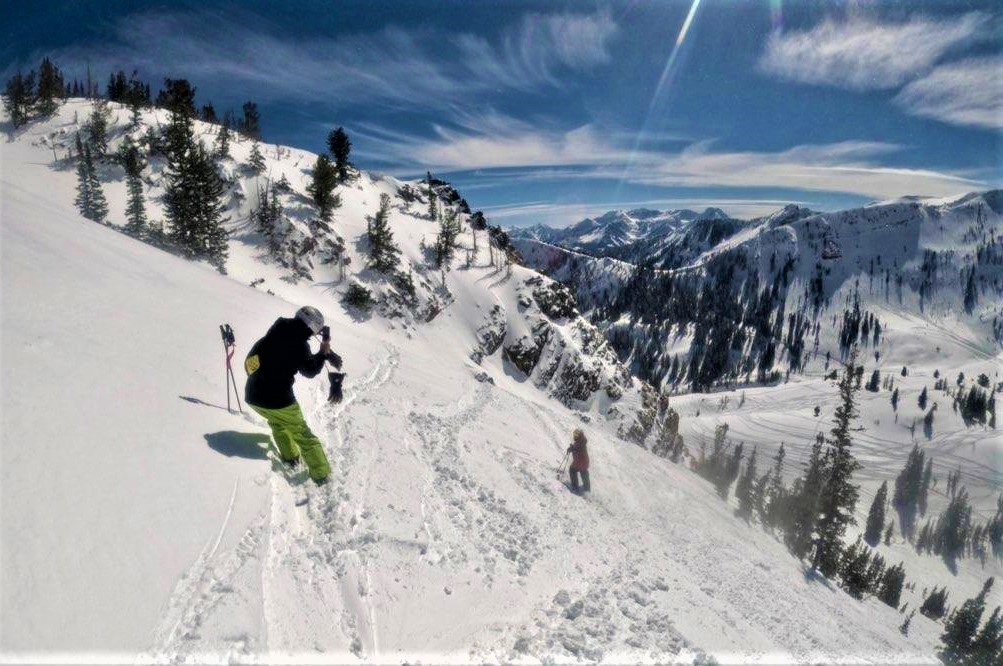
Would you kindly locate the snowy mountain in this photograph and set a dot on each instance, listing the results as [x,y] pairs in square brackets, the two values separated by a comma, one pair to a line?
[148,523]
[620,233]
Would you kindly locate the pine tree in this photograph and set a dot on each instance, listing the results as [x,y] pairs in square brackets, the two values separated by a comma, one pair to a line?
[802,512]
[971,294]
[99,205]
[50,88]
[895,399]
[987,645]
[889,532]
[321,189]
[135,210]
[891,584]
[256,161]
[875,381]
[222,148]
[433,211]
[340,146]
[97,128]
[19,94]
[745,488]
[250,125]
[759,494]
[935,604]
[922,398]
[445,241]
[194,200]
[84,199]
[384,255]
[960,629]
[908,485]
[838,498]
[876,516]
[853,569]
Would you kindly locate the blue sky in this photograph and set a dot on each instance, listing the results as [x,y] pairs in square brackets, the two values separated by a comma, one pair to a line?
[551,111]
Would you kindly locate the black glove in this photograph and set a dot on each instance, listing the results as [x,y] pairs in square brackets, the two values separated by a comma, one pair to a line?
[334,360]
[336,378]
[325,334]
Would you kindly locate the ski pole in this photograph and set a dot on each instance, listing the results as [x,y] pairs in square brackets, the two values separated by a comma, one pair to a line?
[560,470]
[229,347]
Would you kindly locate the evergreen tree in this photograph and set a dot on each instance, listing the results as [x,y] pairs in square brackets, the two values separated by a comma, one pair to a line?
[178,97]
[876,516]
[135,210]
[802,512]
[960,629]
[445,241]
[98,203]
[922,398]
[759,495]
[97,128]
[928,475]
[268,215]
[988,643]
[256,161]
[84,197]
[19,95]
[889,531]
[853,569]
[194,200]
[250,125]
[838,498]
[222,148]
[895,399]
[908,485]
[890,587]
[384,255]
[971,294]
[433,211]
[50,88]
[321,189]
[875,381]
[935,604]
[777,492]
[744,491]
[340,146]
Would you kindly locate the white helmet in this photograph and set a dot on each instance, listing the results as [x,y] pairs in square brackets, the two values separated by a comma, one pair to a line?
[311,317]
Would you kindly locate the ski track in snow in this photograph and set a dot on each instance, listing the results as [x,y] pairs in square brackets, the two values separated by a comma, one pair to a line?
[312,534]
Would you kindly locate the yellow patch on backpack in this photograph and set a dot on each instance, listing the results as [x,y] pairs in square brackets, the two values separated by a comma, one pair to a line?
[251,364]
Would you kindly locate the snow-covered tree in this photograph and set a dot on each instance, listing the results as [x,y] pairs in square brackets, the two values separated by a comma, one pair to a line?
[321,188]
[135,209]
[838,498]
[384,255]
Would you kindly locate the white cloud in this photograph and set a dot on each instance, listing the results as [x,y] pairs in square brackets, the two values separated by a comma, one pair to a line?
[418,68]
[497,142]
[968,92]
[864,54]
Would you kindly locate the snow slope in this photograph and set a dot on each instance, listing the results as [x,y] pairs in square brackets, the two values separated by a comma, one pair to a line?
[141,521]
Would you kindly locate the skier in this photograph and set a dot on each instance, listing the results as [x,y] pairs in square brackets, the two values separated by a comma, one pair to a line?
[579,462]
[271,367]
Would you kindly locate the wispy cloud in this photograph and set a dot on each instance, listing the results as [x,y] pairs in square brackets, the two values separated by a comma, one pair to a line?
[420,67]
[865,54]
[562,214]
[968,92]
[495,142]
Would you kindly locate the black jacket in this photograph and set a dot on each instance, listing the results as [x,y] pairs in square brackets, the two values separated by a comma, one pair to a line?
[274,360]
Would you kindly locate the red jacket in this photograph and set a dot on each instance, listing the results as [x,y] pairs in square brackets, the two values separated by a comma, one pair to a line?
[579,456]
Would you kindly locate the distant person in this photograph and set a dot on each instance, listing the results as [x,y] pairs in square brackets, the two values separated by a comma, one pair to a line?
[271,367]
[579,462]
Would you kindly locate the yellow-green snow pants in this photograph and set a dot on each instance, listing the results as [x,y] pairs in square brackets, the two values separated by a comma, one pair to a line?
[293,437]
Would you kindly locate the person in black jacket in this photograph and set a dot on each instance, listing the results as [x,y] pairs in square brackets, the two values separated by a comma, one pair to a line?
[271,368]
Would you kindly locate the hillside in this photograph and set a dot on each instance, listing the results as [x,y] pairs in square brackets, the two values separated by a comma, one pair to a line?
[149,524]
